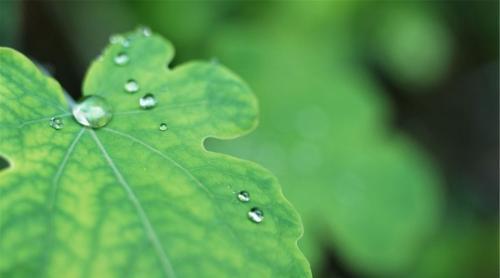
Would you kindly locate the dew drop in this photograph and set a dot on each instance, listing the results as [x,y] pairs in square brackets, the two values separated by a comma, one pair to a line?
[93,111]
[114,39]
[125,42]
[121,59]
[56,123]
[131,86]
[243,196]
[119,39]
[256,215]
[163,127]
[148,101]
[145,31]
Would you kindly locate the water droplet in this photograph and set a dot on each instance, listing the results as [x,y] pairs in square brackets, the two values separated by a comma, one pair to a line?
[125,43]
[56,123]
[163,127]
[131,86]
[121,59]
[243,196]
[114,39]
[145,31]
[148,101]
[93,111]
[119,39]
[256,215]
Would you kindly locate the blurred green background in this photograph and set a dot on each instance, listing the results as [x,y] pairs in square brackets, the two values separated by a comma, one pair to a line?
[379,118]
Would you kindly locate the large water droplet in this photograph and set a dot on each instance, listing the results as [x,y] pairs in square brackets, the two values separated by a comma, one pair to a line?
[256,215]
[56,123]
[93,111]
[148,101]
[163,127]
[244,196]
[121,59]
[131,86]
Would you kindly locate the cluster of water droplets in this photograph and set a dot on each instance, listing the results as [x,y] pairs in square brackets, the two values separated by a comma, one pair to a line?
[94,111]
[122,58]
[131,86]
[255,214]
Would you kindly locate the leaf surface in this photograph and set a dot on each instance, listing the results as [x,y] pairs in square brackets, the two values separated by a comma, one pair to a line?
[363,190]
[129,200]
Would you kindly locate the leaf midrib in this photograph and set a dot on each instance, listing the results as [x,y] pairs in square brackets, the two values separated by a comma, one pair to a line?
[151,233]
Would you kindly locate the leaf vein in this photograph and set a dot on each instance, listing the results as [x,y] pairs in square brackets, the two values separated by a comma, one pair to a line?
[57,176]
[153,237]
[186,171]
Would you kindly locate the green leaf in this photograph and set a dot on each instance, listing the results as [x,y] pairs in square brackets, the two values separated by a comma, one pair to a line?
[364,191]
[128,199]
[463,248]
[396,42]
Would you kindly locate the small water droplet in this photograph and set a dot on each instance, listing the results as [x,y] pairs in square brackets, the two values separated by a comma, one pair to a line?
[256,215]
[163,127]
[114,39]
[119,39]
[125,43]
[93,111]
[145,31]
[148,101]
[56,123]
[121,59]
[244,196]
[131,86]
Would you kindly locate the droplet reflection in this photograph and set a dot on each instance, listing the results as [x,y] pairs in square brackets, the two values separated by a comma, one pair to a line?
[256,215]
